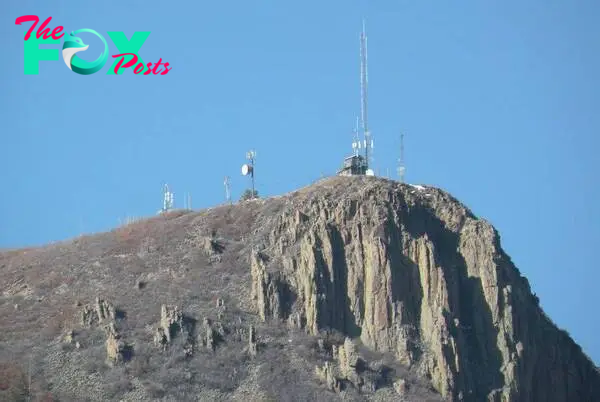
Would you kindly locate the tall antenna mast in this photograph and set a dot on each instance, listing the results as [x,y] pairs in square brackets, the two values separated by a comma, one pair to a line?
[167,199]
[364,93]
[401,167]
[356,139]
[251,156]
[227,190]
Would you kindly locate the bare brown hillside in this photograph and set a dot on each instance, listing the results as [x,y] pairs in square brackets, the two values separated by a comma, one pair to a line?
[355,288]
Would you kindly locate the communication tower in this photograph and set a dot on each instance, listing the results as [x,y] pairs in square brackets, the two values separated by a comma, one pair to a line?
[364,85]
[401,166]
[356,141]
[228,188]
[168,199]
[358,164]
[248,168]
[187,201]
[354,165]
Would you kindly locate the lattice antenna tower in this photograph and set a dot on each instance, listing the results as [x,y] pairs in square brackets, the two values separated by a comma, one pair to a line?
[248,169]
[356,140]
[226,183]
[401,165]
[364,84]
[187,202]
[168,199]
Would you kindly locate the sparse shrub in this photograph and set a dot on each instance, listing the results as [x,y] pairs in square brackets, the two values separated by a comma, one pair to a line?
[117,388]
[249,194]
[52,328]
[155,390]
[13,383]
[223,370]
[117,383]
[141,363]
[94,359]
[47,397]
[308,348]
[67,347]
[332,337]
[172,377]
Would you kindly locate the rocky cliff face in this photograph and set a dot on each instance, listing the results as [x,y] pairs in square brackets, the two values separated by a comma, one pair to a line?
[354,288]
[409,270]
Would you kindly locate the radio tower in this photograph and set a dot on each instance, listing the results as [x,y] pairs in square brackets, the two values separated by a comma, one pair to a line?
[248,169]
[251,156]
[168,199]
[401,167]
[356,139]
[364,95]
[227,190]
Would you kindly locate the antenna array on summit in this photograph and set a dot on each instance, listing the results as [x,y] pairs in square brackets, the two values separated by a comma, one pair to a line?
[168,200]
[358,164]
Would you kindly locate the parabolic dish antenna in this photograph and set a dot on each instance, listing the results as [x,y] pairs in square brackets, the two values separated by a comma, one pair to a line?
[246,169]
[370,172]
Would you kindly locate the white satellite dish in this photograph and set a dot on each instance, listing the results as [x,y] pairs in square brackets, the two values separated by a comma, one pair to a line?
[246,169]
[370,172]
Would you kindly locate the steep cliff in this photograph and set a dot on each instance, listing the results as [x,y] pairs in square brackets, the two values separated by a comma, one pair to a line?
[354,288]
[410,270]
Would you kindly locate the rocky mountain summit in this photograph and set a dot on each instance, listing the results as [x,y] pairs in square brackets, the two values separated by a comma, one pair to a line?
[354,288]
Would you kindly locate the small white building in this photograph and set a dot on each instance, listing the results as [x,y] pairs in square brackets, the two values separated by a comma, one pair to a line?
[354,165]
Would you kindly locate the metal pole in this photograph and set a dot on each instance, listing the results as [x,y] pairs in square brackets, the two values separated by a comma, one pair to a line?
[253,191]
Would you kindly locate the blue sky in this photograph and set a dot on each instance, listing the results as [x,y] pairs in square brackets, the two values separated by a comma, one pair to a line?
[498,103]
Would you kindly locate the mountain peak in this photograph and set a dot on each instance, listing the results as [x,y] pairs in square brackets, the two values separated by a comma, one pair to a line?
[353,287]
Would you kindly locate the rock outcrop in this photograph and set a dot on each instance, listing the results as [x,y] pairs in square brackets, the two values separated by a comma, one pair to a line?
[115,346]
[409,270]
[348,367]
[174,323]
[101,311]
[171,323]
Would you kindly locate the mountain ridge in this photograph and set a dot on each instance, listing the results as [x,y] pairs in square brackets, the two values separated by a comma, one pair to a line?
[351,265]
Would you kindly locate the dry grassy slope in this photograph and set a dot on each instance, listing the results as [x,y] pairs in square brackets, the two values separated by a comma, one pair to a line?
[389,268]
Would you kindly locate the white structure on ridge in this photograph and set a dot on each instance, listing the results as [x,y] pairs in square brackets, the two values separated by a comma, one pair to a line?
[168,199]
[401,166]
[228,189]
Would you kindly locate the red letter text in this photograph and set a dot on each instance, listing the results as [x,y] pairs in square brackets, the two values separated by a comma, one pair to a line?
[28,18]
[128,64]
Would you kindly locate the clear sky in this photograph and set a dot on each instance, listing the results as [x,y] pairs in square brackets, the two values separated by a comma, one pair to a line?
[498,103]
